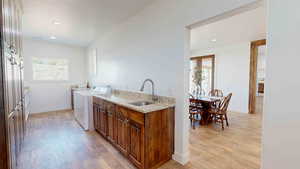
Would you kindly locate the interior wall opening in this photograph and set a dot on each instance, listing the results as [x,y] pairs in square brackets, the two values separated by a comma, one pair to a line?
[226,39]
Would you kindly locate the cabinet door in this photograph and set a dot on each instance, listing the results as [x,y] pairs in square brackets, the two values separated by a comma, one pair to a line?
[17,83]
[9,85]
[13,20]
[122,130]
[103,121]
[96,117]
[111,110]
[12,140]
[23,100]
[136,143]
[19,127]
[7,23]
[110,126]
[23,117]
[8,56]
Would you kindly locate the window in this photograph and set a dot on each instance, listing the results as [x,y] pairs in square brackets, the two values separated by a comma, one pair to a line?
[50,69]
[202,75]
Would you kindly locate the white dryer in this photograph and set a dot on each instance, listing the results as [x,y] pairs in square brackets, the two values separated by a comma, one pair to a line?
[83,109]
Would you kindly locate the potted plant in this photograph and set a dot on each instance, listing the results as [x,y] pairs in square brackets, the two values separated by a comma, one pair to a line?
[198,77]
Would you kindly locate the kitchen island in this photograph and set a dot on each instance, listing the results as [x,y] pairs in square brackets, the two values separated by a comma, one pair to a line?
[144,134]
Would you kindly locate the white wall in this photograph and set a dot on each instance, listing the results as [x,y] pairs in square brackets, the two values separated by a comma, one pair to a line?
[51,96]
[152,45]
[281,117]
[232,73]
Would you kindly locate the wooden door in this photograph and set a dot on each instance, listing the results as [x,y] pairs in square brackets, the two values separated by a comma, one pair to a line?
[122,130]
[136,143]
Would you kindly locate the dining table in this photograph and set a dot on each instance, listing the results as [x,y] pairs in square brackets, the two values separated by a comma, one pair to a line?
[206,102]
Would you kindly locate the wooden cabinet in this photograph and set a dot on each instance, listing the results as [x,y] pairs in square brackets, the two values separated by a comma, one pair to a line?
[136,143]
[100,117]
[15,135]
[146,139]
[111,110]
[12,116]
[122,130]
[12,128]
[103,121]
[96,113]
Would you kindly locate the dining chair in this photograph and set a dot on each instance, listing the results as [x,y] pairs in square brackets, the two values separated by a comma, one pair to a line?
[219,113]
[216,93]
[195,111]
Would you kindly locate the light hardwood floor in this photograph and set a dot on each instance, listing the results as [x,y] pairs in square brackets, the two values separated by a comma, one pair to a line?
[55,141]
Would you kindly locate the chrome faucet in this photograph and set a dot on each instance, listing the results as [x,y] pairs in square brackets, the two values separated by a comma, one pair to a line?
[154,98]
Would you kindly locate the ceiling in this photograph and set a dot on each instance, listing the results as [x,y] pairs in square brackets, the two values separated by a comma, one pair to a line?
[245,27]
[81,21]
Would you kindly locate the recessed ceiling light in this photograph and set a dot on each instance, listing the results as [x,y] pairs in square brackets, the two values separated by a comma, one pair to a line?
[214,40]
[52,37]
[56,23]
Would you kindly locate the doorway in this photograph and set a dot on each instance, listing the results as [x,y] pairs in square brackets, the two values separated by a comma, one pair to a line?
[228,38]
[257,76]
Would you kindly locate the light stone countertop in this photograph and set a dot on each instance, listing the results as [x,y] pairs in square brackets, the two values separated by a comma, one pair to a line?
[124,98]
[143,109]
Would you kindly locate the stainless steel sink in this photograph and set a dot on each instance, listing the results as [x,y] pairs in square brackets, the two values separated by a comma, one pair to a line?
[141,103]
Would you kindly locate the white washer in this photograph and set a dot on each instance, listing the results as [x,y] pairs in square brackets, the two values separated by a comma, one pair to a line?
[83,109]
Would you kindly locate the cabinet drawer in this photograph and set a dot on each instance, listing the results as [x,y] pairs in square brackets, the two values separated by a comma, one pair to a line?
[136,116]
[121,112]
[96,100]
[100,102]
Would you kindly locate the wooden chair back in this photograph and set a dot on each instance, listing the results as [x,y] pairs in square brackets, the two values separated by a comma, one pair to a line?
[224,104]
[216,93]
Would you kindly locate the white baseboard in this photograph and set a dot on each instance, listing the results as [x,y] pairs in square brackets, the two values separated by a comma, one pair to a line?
[181,158]
[54,111]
